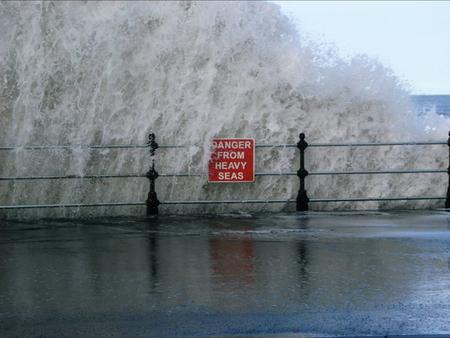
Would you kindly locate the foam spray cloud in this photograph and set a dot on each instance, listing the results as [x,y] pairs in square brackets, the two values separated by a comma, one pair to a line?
[111,72]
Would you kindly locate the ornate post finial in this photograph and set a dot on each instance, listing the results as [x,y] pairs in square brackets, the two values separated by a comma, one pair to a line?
[152,143]
[302,144]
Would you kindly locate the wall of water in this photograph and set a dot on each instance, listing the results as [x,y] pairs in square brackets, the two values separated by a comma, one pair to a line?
[111,72]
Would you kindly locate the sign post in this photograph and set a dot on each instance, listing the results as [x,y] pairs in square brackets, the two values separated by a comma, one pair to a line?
[232,160]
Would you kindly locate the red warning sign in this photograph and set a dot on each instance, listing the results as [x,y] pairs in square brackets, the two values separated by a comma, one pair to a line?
[232,160]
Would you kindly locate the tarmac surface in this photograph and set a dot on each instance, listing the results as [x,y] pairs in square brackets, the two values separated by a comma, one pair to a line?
[289,275]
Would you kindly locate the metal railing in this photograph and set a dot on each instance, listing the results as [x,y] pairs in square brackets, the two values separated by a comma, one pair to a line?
[290,173]
[172,146]
[313,200]
[302,201]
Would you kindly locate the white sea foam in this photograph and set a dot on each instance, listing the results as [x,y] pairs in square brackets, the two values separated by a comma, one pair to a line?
[111,72]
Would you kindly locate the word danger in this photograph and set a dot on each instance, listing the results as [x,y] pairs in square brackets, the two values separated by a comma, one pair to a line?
[232,144]
[232,160]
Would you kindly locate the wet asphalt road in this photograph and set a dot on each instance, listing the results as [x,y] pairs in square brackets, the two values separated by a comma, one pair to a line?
[314,274]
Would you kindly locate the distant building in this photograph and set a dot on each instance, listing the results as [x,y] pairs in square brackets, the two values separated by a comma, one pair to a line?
[437,103]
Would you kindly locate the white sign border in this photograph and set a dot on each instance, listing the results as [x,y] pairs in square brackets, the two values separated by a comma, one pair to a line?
[254,159]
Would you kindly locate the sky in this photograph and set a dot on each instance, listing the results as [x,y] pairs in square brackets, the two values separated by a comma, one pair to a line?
[410,37]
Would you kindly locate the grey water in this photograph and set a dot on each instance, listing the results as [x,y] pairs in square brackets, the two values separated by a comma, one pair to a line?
[439,104]
[366,273]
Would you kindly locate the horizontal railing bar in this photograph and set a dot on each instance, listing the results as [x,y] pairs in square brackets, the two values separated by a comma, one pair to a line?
[182,175]
[89,146]
[229,202]
[358,172]
[72,205]
[169,146]
[20,178]
[125,146]
[374,144]
[361,144]
[74,146]
[315,173]
[323,200]
[317,200]
[81,205]
[275,145]
[376,172]
[369,199]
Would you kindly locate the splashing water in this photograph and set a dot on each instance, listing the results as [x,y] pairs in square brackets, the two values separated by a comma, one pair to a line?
[111,72]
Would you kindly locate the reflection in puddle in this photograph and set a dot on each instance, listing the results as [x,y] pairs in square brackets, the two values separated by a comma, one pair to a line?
[233,261]
[299,266]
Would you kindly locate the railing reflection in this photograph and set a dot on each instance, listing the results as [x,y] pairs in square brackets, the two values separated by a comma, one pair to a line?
[241,264]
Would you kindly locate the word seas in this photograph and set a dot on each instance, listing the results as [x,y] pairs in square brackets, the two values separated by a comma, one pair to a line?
[232,160]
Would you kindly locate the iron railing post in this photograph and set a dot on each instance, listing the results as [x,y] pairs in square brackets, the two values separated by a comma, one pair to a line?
[302,197]
[447,200]
[152,200]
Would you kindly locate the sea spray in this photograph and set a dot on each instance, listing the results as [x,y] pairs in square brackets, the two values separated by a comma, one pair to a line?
[111,72]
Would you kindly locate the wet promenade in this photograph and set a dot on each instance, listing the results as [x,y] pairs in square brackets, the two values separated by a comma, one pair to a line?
[316,274]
